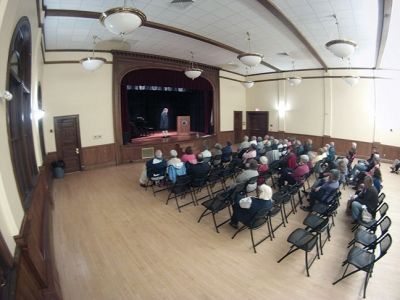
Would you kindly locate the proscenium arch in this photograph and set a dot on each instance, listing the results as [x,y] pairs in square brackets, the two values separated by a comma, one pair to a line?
[126,62]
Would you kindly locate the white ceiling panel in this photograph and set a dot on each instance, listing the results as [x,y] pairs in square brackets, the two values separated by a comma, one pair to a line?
[227,22]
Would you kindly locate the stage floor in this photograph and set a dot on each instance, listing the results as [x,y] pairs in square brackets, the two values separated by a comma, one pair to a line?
[157,137]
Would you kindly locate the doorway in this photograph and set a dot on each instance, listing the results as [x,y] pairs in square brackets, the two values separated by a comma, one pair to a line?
[257,123]
[237,126]
[68,141]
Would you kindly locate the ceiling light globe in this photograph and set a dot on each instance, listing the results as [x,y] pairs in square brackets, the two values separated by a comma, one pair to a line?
[92,63]
[193,73]
[294,81]
[250,59]
[122,20]
[341,48]
[248,84]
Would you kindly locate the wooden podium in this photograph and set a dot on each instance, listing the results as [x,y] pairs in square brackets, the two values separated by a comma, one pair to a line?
[183,125]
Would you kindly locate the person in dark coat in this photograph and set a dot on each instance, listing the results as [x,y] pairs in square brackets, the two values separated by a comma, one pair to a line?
[164,122]
[367,197]
[243,214]
[198,172]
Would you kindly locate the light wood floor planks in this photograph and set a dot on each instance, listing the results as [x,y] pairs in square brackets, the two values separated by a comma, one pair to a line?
[114,240]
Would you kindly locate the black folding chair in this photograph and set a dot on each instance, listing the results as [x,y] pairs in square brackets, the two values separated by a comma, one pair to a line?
[364,259]
[258,220]
[179,191]
[304,240]
[368,236]
[381,209]
[215,205]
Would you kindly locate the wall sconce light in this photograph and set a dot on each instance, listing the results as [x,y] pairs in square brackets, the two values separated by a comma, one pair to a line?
[38,114]
[281,110]
[6,95]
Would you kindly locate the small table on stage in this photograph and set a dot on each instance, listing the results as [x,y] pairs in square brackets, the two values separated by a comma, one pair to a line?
[183,125]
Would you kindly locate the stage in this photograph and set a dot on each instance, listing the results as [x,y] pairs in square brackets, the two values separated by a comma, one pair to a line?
[134,150]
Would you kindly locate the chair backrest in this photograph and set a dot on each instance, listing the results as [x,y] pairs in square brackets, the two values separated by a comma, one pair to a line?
[181,185]
[214,175]
[281,197]
[259,218]
[382,209]
[252,180]
[385,224]
[381,197]
[384,243]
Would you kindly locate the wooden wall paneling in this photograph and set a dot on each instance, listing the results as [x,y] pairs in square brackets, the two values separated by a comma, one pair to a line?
[98,156]
[125,62]
[225,136]
[35,260]
[390,152]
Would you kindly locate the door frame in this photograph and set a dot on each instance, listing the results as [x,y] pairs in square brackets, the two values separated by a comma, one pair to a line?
[78,134]
[237,136]
[262,112]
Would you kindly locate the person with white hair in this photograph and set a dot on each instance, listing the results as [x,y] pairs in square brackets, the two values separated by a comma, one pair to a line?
[175,166]
[155,166]
[296,175]
[244,209]
[174,158]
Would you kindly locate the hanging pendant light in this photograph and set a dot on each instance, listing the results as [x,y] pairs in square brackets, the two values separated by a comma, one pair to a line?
[250,59]
[92,63]
[341,47]
[193,72]
[294,80]
[351,80]
[248,84]
[122,20]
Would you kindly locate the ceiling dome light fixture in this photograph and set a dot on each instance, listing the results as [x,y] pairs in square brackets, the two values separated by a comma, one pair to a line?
[294,80]
[351,80]
[248,84]
[250,59]
[340,47]
[92,63]
[122,20]
[193,72]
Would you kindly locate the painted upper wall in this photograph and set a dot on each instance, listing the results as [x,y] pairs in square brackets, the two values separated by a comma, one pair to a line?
[68,89]
[11,212]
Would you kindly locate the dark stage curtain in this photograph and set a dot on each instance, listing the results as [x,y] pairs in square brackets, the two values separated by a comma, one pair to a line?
[196,101]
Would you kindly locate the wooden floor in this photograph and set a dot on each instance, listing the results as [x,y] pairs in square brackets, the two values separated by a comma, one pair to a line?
[114,240]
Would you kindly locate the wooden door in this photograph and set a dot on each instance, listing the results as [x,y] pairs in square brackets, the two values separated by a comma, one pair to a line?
[257,123]
[237,126]
[68,141]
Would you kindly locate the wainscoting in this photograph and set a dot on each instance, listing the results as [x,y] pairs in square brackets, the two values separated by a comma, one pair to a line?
[36,275]
[98,156]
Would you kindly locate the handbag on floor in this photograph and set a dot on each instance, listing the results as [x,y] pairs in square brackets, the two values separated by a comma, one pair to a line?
[366,216]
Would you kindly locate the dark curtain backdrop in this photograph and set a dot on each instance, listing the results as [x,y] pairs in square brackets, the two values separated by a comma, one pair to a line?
[149,105]
[197,101]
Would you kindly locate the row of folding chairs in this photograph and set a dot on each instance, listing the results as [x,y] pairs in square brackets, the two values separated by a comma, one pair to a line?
[370,243]
[319,221]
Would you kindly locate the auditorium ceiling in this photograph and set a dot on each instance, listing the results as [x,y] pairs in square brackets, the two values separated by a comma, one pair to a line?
[215,30]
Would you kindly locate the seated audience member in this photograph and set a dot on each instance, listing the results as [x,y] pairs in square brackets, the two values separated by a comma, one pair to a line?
[244,145]
[308,146]
[351,155]
[377,179]
[262,170]
[206,154]
[253,140]
[291,160]
[247,174]
[275,144]
[331,155]
[365,166]
[188,156]
[227,152]
[298,148]
[266,138]
[174,158]
[245,215]
[296,175]
[272,155]
[310,163]
[260,145]
[200,169]
[368,197]
[175,167]
[342,168]
[153,167]
[323,190]
[395,166]
[362,165]
[322,153]
[217,154]
[250,153]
